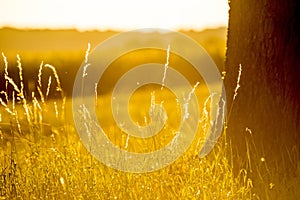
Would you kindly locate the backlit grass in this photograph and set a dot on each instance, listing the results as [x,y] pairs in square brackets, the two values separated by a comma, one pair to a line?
[42,157]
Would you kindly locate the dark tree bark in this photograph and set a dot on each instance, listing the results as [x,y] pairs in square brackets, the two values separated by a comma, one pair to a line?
[264,37]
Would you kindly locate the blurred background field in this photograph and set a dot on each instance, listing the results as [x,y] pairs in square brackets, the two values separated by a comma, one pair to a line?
[65,49]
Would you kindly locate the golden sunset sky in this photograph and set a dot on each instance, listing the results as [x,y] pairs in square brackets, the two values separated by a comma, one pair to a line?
[114,14]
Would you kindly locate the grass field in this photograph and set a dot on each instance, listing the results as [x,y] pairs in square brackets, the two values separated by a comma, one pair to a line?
[42,157]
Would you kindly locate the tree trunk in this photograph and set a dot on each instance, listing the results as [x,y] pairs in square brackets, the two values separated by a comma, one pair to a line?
[264,37]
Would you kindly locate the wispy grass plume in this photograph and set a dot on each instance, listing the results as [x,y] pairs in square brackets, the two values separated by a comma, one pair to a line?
[166,67]
[237,83]
[186,103]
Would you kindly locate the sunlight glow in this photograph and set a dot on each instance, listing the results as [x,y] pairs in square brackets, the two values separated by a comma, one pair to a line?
[114,14]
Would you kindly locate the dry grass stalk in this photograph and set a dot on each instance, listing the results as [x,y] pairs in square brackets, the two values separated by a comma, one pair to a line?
[58,87]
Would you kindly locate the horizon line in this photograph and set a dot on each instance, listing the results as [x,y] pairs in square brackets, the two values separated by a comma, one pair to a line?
[32,28]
